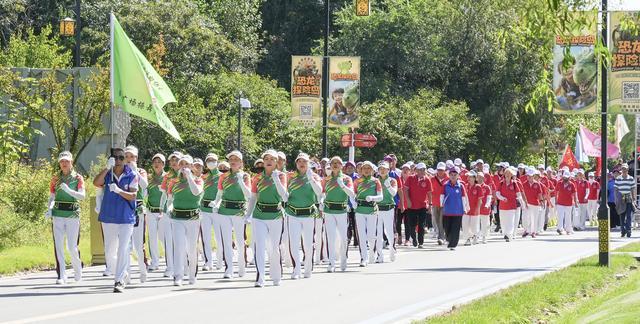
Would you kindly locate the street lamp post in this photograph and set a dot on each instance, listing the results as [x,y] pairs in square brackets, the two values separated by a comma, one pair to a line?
[603,210]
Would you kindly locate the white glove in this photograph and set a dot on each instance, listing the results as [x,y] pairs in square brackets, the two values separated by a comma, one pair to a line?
[275,175]
[186,172]
[321,207]
[387,182]
[114,188]
[47,214]
[354,204]
[65,188]
[488,204]
[340,182]
[368,198]
[247,219]
[213,206]
[240,176]
[99,195]
[111,162]
[309,174]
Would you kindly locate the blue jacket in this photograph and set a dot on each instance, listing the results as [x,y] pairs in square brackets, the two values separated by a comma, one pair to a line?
[453,205]
[610,191]
[115,209]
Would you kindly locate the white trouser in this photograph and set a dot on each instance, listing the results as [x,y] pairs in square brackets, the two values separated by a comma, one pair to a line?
[165,231]
[228,225]
[301,227]
[117,240]
[551,214]
[185,247]
[530,219]
[137,245]
[507,222]
[564,218]
[367,225]
[284,245]
[319,248]
[541,218]
[267,236]
[470,226]
[485,226]
[516,220]
[69,226]
[385,225]
[580,217]
[153,220]
[207,223]
[336,238]
[592,208]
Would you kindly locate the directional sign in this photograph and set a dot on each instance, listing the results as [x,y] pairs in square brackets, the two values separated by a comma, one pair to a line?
[358,140]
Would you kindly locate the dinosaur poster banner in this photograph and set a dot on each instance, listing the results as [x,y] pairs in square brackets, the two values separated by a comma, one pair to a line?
[575,68]
[624,72]
[306,90]
[344,91]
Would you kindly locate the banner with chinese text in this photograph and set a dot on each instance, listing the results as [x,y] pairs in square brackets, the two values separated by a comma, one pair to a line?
[344,91]
[575,75]
[306,90]
[624,73]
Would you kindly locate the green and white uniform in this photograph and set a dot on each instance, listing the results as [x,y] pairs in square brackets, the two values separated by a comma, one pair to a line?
[159,227]
[335,217]
[230,219]
[301,209]
[209,219]
[368,192]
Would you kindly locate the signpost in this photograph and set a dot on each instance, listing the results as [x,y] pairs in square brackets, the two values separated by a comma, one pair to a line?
[353,140]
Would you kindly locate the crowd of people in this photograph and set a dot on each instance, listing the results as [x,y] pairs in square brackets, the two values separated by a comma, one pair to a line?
[310,215]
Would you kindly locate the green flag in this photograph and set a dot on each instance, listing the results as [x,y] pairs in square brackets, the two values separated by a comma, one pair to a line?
[136,87]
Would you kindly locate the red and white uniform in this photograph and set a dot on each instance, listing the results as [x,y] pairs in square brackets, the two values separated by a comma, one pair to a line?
[566,192]
[471,220]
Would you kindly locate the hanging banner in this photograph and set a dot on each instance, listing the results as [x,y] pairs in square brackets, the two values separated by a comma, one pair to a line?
[624,73]
[306,90]
[575,81]
[344,91]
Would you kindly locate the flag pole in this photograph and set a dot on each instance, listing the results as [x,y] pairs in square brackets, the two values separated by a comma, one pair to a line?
[111,119]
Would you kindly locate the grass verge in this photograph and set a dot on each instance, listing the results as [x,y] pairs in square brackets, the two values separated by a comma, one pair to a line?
[569,295]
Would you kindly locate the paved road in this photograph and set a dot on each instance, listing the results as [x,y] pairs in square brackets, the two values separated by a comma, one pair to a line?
[417,284]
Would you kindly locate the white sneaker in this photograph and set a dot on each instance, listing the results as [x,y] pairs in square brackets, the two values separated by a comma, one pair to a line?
[227,275]
[127,279]
[276,283]
[107,273]
[168,274]
[206,267]
[331,268]
[60,282]
[78,276]
[295,276]
[363,263]
[392,256]
[143,277]
[307,274]
[475,240]
[241,272]
[468,242]
[258,285]
[177,282]
[372,259]
[343,265]
[193,281]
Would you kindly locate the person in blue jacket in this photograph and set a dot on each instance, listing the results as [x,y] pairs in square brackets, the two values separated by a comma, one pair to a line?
[454,205]
[117,214]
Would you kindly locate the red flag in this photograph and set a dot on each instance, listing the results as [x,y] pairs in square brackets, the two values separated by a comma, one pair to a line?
[569,160]
[598,166]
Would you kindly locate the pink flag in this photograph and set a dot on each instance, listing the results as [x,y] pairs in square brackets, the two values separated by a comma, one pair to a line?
[591,144]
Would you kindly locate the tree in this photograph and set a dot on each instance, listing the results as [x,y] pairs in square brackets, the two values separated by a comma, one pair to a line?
[41,50]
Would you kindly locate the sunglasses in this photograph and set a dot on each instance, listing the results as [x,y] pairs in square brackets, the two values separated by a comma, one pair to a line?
[224,171]
[119,157]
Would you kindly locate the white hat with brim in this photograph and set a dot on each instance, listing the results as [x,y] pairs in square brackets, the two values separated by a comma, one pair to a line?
[235,153]
[176,155]
[383,164]
[272,153]
[431,171]
[211,156]
[303,156]
[258,161]
[187,158]
[566,174]
[281,155]
[224,164]
[65,156]
[441,166]
[457,162]
[198,161]
[159,156]
[369,163]
[131,149]
[336,158]
[421,166]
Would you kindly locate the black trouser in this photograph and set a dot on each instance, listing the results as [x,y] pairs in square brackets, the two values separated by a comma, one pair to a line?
[416,217]
[452,225]
[614,219]
[429,222]
[496,216]
[352,231]
[399,217]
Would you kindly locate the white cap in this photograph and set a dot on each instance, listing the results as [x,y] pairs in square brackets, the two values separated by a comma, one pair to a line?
[325,160]
[211,156]
[454,169]
[198,161]
[65,155]
[549,168]
[457,161]
[592,174]
[441,166]
[580,171]
[472,174]
[383,164]
[281,155]
[421,166]
[530,172]
[159,156]
[258,161]
[479,161]
[303,156]
[235,153]
[406,165]
[505,164]
[410,163]
[336,158]
[176,155]
[480,174]
[273,153]
[540,166]
[225,164]
[449,163]
[369,163]
[521,166]
[187,158]
[131,149]
[624,166]
[431,171]
[485,168]
[566,174]
[473,164]
[536,173]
